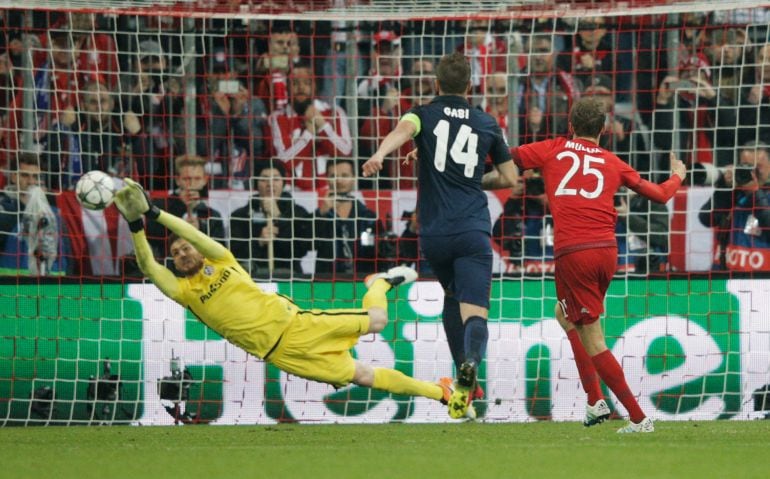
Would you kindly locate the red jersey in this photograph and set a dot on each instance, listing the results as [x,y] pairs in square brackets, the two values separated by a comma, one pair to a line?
[96,58]
[581,179]
[305,153]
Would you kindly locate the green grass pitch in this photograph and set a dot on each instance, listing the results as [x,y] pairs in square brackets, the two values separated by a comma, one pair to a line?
[713,449]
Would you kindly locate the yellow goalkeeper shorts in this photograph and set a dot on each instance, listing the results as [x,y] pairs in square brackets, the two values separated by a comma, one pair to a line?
[317,345]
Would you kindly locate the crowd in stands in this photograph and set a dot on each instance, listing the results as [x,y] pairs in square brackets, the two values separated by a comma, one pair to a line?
[283,113]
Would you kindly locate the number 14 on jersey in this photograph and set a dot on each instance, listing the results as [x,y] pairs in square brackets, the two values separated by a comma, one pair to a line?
[463,151]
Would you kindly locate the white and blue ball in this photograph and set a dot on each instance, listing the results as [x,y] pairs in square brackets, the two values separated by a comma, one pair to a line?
[95,190]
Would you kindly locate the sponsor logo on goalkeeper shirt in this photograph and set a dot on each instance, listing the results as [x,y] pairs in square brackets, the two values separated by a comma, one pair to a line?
[214,287]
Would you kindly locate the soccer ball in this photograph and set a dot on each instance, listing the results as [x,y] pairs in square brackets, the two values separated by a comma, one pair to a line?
[95,190]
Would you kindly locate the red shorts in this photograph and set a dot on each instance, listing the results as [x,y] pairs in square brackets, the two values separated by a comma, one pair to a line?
[582,278]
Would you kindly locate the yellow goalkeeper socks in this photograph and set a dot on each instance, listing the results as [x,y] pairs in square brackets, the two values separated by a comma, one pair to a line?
[399,383]
[375,297]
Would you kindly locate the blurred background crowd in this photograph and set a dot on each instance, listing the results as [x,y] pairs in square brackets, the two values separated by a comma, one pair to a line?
[254,131]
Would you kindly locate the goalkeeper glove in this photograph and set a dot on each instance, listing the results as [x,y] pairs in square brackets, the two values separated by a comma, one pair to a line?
[143,198]
[133,202]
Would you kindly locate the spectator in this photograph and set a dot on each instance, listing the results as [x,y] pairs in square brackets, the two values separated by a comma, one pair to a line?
[308,131]
[508,230]
[592,52]
[421,90]
[346,231]
[739,212]
[524,230]
[692,34]
[94,142]
[648,227]
[546,94]
[94,54]
[55,89]
[336,76]
[102,142]
[706,122]
[496,99]
[625,261]
[758,154]
[12,49]
[724,50]
[66,57]
[231,126]
[421,84]
[754,112]
[153,104]
[751,153]
[486,53]
[73,53]
[271,233]
[189,202]
[384,81]
[656,52]
[273,67]
[622,135]
[32,240]
[407,246]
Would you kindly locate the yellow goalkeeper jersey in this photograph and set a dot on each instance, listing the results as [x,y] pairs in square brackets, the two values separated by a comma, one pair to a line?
[224,297]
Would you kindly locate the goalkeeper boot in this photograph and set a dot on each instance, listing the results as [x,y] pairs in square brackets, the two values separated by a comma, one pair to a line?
[394,276]
[645,425]
[464,389]
[447,388]
[596,414]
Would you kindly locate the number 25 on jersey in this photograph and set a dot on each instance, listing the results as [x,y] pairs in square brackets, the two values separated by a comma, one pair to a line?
[577,162]
[463,151]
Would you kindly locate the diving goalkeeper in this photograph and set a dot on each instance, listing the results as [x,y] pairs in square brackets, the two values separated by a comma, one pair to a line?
[312,344]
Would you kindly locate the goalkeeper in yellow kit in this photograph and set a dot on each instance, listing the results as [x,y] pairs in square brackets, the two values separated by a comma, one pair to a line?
[312,344]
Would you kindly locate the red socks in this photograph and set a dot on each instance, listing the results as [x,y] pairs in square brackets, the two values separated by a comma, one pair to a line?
[588,375]
[612,374]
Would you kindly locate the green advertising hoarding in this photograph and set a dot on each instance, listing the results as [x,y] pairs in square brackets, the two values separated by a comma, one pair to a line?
[61,336]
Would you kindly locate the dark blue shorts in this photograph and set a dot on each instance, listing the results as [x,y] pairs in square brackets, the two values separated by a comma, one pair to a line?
[462,263]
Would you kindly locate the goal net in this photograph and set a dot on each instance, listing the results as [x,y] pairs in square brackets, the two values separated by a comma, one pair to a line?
[251,120]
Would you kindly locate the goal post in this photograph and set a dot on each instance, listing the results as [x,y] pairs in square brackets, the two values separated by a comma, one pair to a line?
[299,94]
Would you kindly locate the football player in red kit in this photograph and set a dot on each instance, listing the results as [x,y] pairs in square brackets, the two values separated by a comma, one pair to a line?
[581,180]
